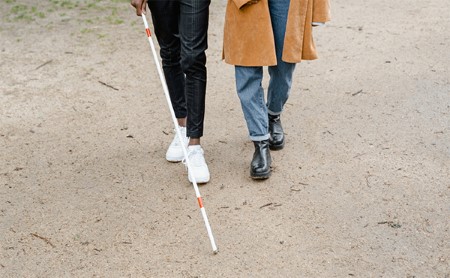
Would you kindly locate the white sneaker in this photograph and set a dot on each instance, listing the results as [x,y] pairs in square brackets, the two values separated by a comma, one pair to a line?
[198,164]
[175,151]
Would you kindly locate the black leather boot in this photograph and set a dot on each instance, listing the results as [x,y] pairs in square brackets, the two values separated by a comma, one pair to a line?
[260,166]
[276,139]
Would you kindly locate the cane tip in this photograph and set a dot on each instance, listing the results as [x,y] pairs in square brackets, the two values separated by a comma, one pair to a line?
[215,252]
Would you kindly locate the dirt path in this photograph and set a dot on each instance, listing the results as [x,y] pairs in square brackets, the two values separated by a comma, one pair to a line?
[361,189]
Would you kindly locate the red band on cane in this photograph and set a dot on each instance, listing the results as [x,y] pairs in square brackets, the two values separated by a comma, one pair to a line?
[148,32]
[200,202]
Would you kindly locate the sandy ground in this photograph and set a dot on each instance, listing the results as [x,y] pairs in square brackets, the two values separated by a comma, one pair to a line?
[361,189]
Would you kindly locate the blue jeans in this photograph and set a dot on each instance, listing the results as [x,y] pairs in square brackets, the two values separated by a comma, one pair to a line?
[181,28]
[248,80]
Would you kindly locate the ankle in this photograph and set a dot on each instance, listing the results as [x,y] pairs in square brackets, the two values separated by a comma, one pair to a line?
[181,122]
[194,141]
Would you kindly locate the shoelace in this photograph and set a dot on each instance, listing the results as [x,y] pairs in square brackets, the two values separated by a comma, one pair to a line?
[176,139]
[195,157]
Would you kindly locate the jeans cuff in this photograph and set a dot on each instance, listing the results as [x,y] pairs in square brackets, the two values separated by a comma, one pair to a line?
[260,138]
[273,113]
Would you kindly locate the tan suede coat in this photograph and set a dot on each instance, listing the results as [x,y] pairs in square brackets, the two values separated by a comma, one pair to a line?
[248,35]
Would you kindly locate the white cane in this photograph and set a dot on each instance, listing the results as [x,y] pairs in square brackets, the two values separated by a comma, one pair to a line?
[179,135]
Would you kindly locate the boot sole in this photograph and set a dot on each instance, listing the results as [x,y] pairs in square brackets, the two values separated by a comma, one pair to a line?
[262,176]
[276,147]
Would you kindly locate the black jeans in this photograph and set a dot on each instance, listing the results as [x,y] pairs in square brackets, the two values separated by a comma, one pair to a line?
[181,28]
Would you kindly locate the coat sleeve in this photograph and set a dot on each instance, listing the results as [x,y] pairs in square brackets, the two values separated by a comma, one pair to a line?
[240,3]
[321,11]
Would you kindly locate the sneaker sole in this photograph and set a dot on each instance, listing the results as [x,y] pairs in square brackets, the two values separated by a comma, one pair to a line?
[206,180]
[174,160]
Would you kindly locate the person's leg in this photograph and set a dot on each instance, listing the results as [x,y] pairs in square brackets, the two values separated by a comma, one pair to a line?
[280,75]
[165,16]
[251,95]
[193,25]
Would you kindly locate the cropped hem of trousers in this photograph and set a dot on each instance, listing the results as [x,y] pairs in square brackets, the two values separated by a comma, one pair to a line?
[181,28]
[249,80]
